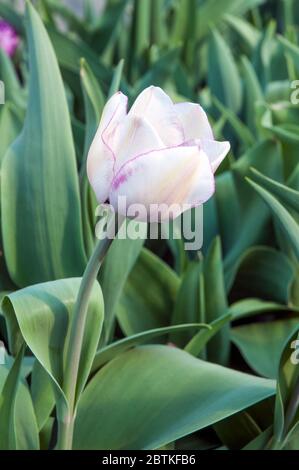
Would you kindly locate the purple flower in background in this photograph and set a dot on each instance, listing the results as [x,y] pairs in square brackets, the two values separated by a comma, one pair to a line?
[9,39]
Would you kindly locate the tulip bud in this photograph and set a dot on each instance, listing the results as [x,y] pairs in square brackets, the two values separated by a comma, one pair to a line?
[160,155]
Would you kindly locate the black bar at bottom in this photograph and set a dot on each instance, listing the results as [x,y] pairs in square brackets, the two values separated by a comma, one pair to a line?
[134,459]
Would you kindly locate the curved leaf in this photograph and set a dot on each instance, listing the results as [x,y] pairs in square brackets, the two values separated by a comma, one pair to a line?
[41,218]
[109,352]
[18,428]
[287,223]
[40,315]
[223,76]
[153,395]
[286,195]
[149,294]
[261,344]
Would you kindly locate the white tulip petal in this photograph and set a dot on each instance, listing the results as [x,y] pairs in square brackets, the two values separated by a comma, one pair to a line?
[134,136]
[216,151]
[101,158]
[194,121]
[180,176]
[158,109]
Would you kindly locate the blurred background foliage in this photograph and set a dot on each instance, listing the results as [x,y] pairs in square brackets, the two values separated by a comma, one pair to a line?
[238,59]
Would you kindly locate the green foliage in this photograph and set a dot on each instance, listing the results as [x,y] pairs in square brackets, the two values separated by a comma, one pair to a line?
[168,331]
[171,388]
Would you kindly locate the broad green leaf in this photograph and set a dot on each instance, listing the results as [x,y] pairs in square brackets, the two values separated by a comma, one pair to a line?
[10,127]
[159,28]
[189,303]
[216,304]
[40,315]
[286,406]
[42,394]
[227,221]
[89,205]
[183,20]
[69,53]
[243,133]
[175,395]
[194,303]
[288,8]
[261,441]
[184,29]
[246,31]
[287,134]
[211,222]
[175,242]
[209,14]
[250,307]
[291,49]
[110,352]
[239,227]
[115,84]
[252,92]
[18,428]
[8,432]
[78,132]
[142,18]
[292,440]
[293,181]
[265,273]
[27,362]
[263,58]
[287,223]
[41,218]
[280,96]
[148,297]
[223,76]
[286,195]
[94,102]
[261,344]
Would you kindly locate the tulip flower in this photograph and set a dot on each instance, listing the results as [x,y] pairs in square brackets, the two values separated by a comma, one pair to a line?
[9,39]
[159,155]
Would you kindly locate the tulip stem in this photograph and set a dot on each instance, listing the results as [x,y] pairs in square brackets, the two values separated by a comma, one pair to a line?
[293,407]
[77,327]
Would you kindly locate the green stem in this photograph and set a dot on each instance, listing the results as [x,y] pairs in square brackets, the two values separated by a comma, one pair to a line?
[274,445]
[65,433]
[292,407]
[291,411]
[66,425]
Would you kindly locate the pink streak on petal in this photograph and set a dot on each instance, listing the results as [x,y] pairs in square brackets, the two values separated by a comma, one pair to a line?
[120,179]
[127,163]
